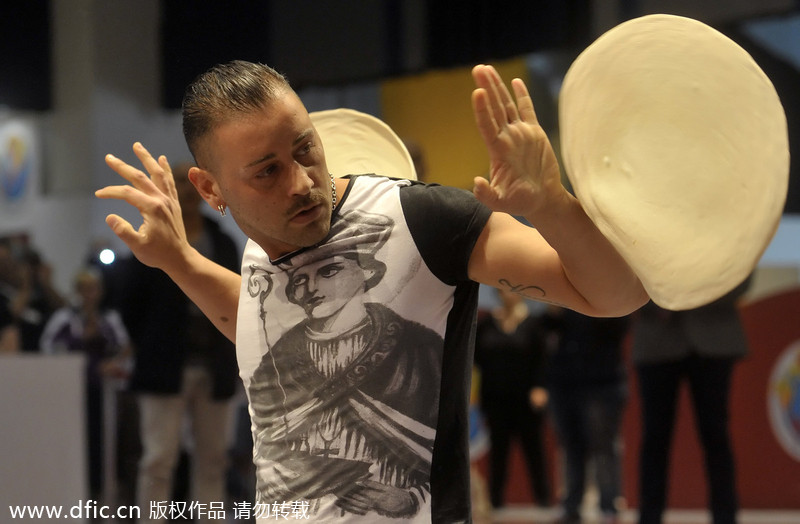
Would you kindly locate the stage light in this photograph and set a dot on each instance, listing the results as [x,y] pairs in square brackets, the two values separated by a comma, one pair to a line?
[107,256]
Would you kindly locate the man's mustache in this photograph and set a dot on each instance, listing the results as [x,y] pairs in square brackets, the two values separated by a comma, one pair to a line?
[315,197]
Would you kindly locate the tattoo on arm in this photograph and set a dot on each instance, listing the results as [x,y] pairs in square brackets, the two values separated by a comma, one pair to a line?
[528,291]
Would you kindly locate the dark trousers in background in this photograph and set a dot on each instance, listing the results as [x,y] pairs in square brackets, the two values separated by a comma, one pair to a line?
[95,441]
[505,421]
[587,422]
[709,381]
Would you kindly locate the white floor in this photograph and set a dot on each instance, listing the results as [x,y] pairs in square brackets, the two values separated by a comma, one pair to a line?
[529,514]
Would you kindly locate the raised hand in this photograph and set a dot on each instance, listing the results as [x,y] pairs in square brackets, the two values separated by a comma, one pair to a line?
[523,170]
[161,238]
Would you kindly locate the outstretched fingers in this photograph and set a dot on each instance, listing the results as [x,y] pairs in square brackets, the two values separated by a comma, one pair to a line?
[487,125]
[524,102]
[158,178]
[126,193]
[503,97]
[486,99]
[161,235]
[142,193]
[136,177]
[160,170]
[499,100]
[156,183]
[508,124]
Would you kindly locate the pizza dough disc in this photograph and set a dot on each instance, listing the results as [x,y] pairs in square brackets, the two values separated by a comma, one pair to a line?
[676,145]
[357,143]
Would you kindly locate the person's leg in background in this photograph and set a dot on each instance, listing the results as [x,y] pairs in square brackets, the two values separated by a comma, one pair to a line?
[710,383]
[160,419]
[605,406]
[531,432]
[128,446]
[211,427]
[96,443]
[658,389]
[497,419]
[567,413]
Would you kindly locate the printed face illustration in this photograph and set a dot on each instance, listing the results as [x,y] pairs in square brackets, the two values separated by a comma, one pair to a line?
[329,397]
[325,287]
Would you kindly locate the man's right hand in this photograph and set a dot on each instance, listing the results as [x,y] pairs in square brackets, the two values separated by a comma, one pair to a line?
[160,240]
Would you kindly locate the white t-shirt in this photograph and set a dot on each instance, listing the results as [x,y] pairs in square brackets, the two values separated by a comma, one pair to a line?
[356,358]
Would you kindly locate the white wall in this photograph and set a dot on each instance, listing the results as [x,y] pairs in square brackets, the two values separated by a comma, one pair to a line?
[43,450]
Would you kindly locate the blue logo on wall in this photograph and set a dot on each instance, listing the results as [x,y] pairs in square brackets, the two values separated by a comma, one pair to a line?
[783,400]
[15,168]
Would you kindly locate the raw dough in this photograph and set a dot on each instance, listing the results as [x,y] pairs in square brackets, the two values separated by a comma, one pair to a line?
[357,143]
[675,143]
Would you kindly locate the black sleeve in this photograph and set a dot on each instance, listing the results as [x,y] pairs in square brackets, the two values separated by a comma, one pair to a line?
[445,223]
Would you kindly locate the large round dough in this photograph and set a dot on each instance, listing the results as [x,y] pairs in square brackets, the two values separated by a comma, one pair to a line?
[357,143]
[676,145]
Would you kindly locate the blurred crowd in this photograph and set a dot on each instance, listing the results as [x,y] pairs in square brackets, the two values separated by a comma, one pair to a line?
[140,365]
[28,297]
[554,366]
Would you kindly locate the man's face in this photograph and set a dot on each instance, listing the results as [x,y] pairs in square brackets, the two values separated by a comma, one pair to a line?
[269,168]
[325,287]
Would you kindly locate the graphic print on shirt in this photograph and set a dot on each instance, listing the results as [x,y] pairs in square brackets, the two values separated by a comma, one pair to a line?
[334,423]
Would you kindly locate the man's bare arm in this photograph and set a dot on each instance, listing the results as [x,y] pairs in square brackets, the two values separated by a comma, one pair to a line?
[582,272]
[565,260]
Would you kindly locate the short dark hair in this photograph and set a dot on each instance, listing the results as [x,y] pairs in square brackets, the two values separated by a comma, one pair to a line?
[226,90]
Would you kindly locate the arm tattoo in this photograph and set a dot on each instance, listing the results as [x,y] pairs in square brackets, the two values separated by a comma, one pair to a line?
[529,291]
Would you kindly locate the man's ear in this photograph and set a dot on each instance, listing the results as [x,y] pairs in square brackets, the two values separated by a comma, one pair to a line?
[207,186]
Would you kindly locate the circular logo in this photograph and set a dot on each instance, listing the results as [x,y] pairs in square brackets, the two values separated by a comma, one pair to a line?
[783,400]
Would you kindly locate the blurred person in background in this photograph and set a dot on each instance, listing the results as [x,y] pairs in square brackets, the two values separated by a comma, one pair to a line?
[588,388]
[34,299]
[97,332]
[510,354]
[9,332]
[184,368]
[700,347]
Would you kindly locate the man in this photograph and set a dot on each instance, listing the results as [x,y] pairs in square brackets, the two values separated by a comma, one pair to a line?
[511,356]
[701,347]
[588,391]
[183,370]
[258,154]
